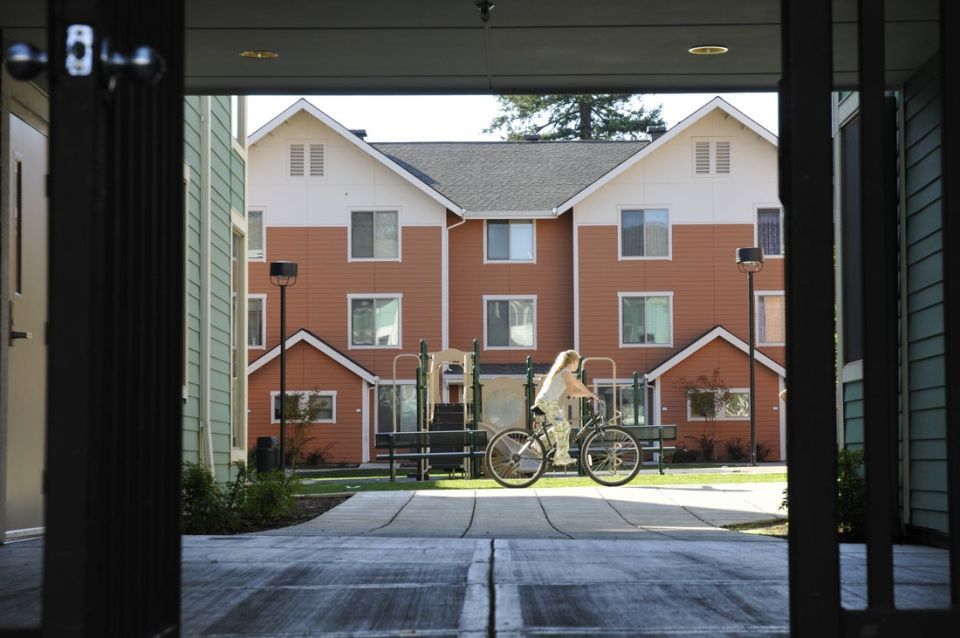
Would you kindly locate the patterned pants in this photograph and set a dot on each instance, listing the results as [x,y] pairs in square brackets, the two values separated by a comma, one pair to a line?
[561,431]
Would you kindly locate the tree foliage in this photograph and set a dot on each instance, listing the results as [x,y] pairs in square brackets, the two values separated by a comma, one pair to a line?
[602,116]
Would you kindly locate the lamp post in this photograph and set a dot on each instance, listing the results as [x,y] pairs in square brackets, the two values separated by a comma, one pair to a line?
[283,274]
[750,261]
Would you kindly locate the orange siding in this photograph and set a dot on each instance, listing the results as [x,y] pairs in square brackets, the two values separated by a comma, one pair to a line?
[309,369]
[550,279]
[707,289]
[731,365]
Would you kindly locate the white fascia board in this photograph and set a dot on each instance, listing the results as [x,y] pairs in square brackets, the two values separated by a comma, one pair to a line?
[303,335]
[726,335]
[509,214]
[716,103]
[304,105]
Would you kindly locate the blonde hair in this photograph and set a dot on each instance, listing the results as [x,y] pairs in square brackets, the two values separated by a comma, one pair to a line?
[563,359]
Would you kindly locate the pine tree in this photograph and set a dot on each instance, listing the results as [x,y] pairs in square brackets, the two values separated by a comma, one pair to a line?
[604,116]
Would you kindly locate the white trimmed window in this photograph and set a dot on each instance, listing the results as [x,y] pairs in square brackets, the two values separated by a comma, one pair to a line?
[510,240]
[646,319]
[256,321]
[733,405]
[323,404]
[406,413]
[770,231]
[644,233]
[771,328]
[510,322]
[255,235]
[374,321]
[375,234]
[306,160]
[711,157]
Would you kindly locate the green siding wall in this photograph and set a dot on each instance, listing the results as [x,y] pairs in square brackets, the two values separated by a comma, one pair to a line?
[226,193]
[924,290]
[853,415]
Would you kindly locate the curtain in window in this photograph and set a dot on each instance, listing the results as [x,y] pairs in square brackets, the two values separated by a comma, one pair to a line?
[255,234]
[768,230]
[386,235]
[362,311]
[255,322]
[657,320]
[655,233]
[388,322]
[631,231]
[770,319]
[521,323]
[633,325]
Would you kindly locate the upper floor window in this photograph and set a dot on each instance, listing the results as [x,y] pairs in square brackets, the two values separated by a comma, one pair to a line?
[770,318]
[306,160]
[711,157]
[374,321]
[374,235]
[510,240]
[644,233]
[510,322]
[645,319]
[256,321]
[770,231]
[255,234]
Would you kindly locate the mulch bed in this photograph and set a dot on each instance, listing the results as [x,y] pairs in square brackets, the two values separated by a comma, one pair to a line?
[306,508]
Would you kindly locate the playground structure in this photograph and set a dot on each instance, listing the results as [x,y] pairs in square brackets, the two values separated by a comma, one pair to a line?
[493,403]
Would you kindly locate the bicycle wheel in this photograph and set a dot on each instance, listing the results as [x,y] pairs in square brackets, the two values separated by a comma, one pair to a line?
[515,458]
[611,456]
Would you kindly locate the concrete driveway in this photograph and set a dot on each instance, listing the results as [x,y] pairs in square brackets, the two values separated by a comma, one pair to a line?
[685,512]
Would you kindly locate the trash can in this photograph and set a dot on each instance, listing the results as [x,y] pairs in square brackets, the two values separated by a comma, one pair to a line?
[268,453]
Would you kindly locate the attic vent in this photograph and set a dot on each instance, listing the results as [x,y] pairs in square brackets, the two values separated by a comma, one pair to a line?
[702,158]
[316,160]
[722,163]
[296,160]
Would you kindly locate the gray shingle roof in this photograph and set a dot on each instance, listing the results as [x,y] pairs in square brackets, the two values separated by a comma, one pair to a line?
[509,176]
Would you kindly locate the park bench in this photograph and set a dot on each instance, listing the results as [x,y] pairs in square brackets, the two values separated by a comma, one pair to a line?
[417,446]
[657,434]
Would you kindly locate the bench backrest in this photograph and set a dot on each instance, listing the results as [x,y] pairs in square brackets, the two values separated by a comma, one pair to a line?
[650,432]
[432,438]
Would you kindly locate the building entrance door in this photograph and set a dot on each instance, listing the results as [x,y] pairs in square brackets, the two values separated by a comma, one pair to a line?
[27,351]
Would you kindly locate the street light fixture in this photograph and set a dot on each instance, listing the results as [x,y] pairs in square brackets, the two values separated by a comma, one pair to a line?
[283,274]
[750,261]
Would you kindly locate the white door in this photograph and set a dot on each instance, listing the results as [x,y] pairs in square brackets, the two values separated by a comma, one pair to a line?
[27,352]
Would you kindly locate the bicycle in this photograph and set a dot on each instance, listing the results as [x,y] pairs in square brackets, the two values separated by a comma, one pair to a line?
[609,454]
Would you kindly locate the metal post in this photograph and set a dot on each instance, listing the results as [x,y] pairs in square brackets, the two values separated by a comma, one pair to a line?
[636,398]
[477,389]
[646,411]
[753,381]
[528,386]
[283,378]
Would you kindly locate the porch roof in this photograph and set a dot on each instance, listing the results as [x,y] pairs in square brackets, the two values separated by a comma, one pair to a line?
[717,332]
[308,337]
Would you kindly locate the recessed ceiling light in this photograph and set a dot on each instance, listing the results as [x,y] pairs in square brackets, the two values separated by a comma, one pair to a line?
[708,49]
[259,54]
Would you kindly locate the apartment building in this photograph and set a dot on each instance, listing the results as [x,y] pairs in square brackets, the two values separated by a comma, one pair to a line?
[623,250]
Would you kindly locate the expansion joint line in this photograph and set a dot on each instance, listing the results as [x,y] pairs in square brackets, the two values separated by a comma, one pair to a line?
[625,519]
[687,510]
[492,597]
[546,516]
[473,515]
[395,515]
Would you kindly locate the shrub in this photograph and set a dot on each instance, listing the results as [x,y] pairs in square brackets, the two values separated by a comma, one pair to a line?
[707,445]
[735,450]
[683,454]
[205,507]
[269,497]
[851,495]
[763,451]
[314,458]
[250,499]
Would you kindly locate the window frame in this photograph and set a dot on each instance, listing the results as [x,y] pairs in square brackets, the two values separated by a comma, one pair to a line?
[621,209]
[756,229]
[332,393]
[374,210]
[263,330]
[374,296]
[489,298]
[757,294]
[263,233]
[634,295]
[533,241]
[723,416]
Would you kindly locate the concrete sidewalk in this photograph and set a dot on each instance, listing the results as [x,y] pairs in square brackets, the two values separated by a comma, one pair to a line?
[683,512]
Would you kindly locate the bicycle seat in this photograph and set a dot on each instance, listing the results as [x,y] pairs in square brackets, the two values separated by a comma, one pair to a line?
[537,411]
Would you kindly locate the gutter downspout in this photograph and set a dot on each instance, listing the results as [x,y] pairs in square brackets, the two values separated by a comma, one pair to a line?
[205,449]
[445,282]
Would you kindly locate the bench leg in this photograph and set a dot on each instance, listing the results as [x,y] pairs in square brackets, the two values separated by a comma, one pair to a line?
[393,468]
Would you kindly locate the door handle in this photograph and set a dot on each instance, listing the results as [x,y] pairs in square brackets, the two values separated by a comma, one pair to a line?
[18,334]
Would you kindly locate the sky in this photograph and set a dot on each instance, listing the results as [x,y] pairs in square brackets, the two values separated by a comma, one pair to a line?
[430,118]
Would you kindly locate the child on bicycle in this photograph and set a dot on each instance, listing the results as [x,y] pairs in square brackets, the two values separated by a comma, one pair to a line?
[558,382]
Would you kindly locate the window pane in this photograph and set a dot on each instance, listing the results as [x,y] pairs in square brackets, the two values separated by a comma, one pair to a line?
[632,233]
[770,319]
[362,327]
[361,230]
[657,320]
[385,245]
[655,233]
[521,240]
[768,230]
[498,240]
[255,234]
[321,406]
[737,405]
[407,415]
[521,323]
[255,322]
[498,323]
[703,404]
[633,329]
[388,322]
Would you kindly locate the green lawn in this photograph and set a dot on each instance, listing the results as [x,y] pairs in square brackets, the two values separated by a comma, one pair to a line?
[383,484]
[329,475]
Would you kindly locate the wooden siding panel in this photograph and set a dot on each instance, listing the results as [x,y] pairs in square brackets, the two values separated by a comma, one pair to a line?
[853,414]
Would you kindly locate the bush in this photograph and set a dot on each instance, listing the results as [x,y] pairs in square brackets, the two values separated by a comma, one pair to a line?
[851,495]
[250,499]
[763,451]
[269,497]
[683,454]
[205,507]
[707,445]
[735,450]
